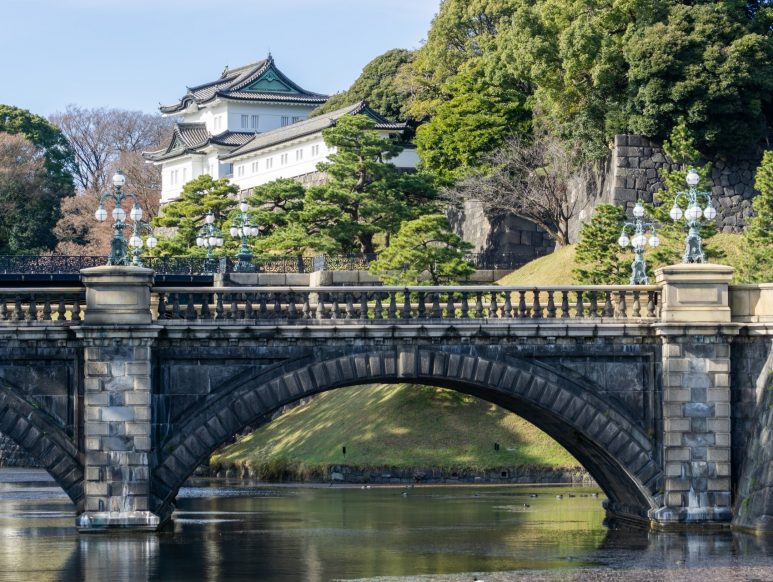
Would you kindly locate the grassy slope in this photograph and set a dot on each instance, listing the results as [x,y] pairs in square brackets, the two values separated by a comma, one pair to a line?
[401,426]
[407,425]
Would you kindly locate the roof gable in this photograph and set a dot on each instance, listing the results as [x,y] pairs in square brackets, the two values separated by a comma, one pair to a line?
[270,82]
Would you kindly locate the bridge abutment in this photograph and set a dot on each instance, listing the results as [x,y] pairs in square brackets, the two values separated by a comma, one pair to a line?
[696,333]
[117,400]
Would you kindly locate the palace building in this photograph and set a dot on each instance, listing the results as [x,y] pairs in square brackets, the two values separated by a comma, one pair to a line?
[252,126]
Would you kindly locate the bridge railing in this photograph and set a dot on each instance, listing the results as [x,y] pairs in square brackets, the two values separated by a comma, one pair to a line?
[389,304]
[58,305]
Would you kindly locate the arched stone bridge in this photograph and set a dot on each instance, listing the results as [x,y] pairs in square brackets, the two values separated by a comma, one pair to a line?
[659,391]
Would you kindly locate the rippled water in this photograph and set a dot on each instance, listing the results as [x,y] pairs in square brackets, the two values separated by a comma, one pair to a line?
[238,532]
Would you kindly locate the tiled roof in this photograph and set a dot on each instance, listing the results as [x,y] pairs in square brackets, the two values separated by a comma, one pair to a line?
[235,83]
[189,138]
[311,126]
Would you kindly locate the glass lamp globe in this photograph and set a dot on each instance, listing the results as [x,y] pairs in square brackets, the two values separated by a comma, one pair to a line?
[623,240]
[219,241]
[119,214]
[639,240]
[136,213]
[212,241]
[254,230]
[654,241]
[101,214]
[692,178]
[693,212]
[209,218]
[675,213]
[119,179]
[234,231]
[135,241]
[710,212]
[638,210]
[151,242]
[199,242]
[243,206]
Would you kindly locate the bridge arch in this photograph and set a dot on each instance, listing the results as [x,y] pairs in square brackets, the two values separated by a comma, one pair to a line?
[602,436]
[38,435]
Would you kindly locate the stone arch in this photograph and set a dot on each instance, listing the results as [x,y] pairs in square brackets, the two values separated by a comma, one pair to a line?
[601,435]
[41,438]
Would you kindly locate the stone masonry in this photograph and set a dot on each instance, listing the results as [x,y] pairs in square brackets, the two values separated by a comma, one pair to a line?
[117,396]
[696,394]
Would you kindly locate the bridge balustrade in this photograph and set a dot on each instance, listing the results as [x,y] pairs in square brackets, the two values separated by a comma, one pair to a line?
[389,304]
[54,305]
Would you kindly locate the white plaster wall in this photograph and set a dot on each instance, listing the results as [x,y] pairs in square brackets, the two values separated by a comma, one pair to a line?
[184,168]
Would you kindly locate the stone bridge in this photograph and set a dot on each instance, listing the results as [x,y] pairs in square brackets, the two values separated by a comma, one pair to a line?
[663,392]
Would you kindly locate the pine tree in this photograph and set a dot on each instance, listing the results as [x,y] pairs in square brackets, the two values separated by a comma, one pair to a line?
[424,251]
[186,215]
[599,259]
[758,239]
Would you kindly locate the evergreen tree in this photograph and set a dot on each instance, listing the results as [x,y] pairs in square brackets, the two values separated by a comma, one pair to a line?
[378,85]
[186,215]
[599,259]
[365,195]
[758,239]
[478,117]
[424,251]
[29,222]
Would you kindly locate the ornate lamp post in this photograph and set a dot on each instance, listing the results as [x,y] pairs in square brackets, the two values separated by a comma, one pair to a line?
[638,242]
[118,244]
[695,216]
[243,228]
[209,237]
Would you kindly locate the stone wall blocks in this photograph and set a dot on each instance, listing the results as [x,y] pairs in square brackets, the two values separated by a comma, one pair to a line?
[97,369]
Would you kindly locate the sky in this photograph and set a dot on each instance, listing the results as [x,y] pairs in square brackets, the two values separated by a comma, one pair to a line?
[135,54]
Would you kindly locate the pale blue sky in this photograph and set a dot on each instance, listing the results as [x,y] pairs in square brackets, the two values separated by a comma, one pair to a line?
[133,54]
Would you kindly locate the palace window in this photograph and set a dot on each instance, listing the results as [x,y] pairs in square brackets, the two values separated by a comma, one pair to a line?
[285,120]
[254,124]
[240,170]
[283,159]
[245,120]
[185,175]
[298,155]
[314,151]
[269,163]
[254,167]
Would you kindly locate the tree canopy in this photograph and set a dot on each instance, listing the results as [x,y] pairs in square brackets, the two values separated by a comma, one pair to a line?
[378,85]
[32,198]
[758,267]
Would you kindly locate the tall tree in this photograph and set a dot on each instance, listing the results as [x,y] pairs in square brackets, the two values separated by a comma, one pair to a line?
[365,194]
[758,265]
[378,85]
[478,117]
[105,140]
[33,226]
[707,63]
[99,136]
[532,179]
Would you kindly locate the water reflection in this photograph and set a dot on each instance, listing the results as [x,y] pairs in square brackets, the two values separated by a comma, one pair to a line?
[286,533]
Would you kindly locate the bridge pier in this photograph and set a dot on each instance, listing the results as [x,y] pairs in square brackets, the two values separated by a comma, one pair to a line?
[696,332]
[117,336]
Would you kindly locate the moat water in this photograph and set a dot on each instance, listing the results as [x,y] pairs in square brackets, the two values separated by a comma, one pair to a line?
[235,531]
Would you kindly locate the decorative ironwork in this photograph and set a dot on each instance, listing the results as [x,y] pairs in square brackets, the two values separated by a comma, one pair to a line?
[694,216]
[638,242]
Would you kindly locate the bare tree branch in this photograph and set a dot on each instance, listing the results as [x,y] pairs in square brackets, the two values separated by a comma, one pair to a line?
[538,180]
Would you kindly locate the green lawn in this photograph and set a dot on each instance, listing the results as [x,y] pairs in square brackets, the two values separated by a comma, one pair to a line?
[399,425]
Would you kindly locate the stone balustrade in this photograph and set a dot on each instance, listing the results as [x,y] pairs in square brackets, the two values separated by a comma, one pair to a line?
[389,304]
